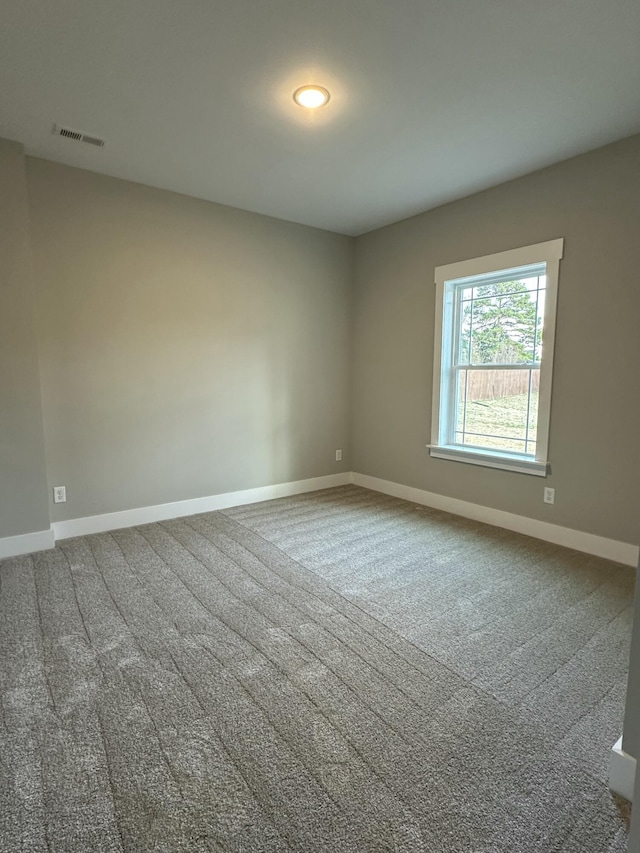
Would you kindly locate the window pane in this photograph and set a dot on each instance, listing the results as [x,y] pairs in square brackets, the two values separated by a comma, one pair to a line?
[511,444]
[464,341]
[461,400]
[503,323]
[540,325]
[533,405]
[466,293]
[497,409]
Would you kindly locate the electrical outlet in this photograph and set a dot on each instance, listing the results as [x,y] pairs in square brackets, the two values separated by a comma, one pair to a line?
[549,495]
[338,456]
[59,494]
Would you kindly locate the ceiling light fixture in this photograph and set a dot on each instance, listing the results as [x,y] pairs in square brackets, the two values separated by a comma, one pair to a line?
[311,97]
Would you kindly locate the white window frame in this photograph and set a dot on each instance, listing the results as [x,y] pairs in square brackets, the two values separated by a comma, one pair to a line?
[549,253]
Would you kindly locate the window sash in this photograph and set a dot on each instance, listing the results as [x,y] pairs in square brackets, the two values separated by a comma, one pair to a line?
[458,287]
[452,421]
[455,312]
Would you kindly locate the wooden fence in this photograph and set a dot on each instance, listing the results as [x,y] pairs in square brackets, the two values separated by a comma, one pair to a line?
[493,384]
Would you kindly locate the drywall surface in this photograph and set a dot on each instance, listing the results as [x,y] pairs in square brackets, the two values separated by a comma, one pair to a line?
[634,837]
[23,483]
[593,201]
[631,732]
[188,349]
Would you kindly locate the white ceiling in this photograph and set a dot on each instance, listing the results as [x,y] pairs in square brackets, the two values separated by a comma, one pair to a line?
[430,99]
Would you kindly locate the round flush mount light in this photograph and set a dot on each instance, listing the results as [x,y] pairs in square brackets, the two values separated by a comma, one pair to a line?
[311,97]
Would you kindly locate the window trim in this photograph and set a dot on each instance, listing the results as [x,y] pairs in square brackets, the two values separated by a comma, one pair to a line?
[549,252]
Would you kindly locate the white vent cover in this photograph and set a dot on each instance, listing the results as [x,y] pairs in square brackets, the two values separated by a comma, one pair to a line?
[77,135]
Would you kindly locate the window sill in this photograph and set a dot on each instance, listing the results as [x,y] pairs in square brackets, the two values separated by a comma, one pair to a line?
[520,464]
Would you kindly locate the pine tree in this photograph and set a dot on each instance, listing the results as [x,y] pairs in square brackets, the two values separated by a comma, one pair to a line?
[504,325]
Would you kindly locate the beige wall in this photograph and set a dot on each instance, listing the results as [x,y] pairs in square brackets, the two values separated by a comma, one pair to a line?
[187,348]
[634,837]
[593,201]
[631,736]
[23,483]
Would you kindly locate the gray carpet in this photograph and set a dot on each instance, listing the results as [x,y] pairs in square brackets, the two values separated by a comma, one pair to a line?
[338,671]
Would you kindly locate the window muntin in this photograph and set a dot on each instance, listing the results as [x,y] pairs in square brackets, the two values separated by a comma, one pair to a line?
[494,349]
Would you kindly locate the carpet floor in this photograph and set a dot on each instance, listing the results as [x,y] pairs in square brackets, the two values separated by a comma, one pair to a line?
[338,671]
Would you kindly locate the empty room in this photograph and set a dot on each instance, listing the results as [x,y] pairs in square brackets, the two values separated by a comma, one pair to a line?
[319,418]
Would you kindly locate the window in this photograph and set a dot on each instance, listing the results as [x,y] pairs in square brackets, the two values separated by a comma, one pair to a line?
[495,322]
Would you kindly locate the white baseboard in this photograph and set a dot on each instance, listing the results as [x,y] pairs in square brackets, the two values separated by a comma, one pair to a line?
[622,771]
[610,549]
[161,512]
[620,552]
[27,543]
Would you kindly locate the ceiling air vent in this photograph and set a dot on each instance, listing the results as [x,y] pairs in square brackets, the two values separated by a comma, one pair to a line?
[77,135]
